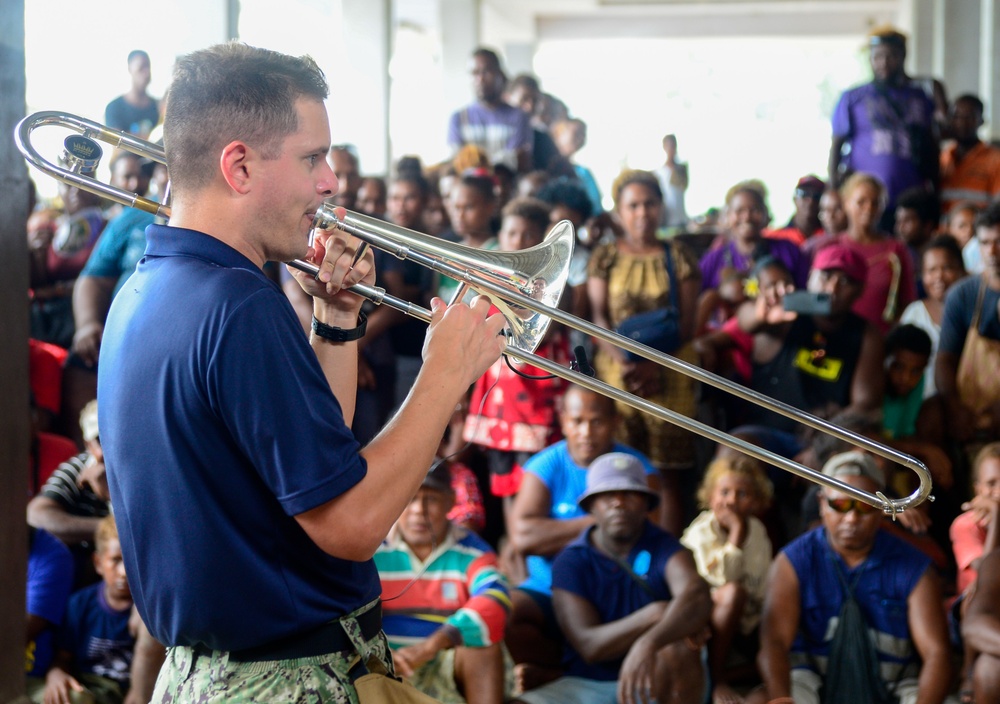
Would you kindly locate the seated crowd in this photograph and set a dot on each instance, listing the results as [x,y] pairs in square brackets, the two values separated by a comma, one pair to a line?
[565,546]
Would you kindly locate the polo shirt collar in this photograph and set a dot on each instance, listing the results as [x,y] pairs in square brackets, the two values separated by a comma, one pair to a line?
[167,241]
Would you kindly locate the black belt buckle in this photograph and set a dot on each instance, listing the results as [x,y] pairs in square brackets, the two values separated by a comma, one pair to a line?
[322,640]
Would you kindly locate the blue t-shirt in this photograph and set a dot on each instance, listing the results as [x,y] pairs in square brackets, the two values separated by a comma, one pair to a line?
[50,581]
[122,244]
[218,427]
[587,572]
[566,481]
[959,309]
[97,635]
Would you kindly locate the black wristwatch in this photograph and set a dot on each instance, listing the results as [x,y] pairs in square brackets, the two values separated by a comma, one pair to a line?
[329,332]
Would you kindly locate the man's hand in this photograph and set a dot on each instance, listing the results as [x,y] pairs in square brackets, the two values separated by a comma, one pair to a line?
[917,520]
[58,685]
[643,378]
[87,342]
[463,341]
[769,308]
[985,509]
[635,679]
[94,476]
[411,658]
[333,251]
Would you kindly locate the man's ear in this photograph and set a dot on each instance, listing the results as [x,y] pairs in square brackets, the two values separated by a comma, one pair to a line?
[235,163]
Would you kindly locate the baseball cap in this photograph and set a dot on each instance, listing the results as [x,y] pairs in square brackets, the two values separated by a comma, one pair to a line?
[438,477]
[616,471]
[811,183]
[855,464]
[837,256]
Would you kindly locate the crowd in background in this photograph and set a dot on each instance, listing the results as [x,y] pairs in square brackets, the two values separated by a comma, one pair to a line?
[874,306]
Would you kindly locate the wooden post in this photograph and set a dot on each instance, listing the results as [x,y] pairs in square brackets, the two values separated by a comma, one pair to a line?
[14,357]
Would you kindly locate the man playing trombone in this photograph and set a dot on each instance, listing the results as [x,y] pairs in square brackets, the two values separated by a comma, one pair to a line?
[248,514]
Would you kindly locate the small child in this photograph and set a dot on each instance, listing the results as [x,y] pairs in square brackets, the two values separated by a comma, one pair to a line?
[733,554]
[907,351]
[95,642]
[517,418]
[975,532]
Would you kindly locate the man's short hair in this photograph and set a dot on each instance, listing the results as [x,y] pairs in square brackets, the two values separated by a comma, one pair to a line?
[924,203]
[567,192]
[989,216]
[526,82]
[233,92]
[972,100]
[137,54]
[533,210]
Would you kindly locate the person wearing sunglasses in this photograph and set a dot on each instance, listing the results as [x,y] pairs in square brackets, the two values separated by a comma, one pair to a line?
[803,646]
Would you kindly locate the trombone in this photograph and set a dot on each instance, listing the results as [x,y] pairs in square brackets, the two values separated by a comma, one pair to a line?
[525,286]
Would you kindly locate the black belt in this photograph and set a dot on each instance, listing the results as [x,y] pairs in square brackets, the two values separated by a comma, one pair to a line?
[328,638]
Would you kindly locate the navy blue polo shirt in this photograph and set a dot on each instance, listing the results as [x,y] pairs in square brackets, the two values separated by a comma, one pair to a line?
[218,427]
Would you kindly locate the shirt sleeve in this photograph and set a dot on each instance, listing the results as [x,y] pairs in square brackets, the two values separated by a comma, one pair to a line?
[483,619]
[50,578]
[105,258]
[842,128]
[305,458]
[522,136]
[956,318]
[454,130]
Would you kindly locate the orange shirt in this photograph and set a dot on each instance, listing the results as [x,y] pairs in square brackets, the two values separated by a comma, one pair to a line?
[975,178]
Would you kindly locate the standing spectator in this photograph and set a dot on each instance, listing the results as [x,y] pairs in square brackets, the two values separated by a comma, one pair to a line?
[136,111]
[890,284]
[940,268]
[629,599]
[888,125]
[970,343]
[833,218]
[503,132]
[347,169]
[805,223]
[674,180]
[446,624]
[827,589]
[524,94]
[970,168]
[571,136]
[632,275]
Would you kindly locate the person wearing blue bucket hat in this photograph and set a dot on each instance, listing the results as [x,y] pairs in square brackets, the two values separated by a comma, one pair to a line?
[628,598]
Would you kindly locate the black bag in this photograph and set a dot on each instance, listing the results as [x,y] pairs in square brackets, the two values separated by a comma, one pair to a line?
[660,328]
[852,670]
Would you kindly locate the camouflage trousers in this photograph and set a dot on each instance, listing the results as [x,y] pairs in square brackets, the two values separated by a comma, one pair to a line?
[199,677]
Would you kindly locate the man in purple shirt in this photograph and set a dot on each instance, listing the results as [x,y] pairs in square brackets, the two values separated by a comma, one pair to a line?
[888,124]
[500,130]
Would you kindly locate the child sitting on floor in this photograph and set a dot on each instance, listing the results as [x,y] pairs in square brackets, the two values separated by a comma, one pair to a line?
[732,553]
[94,646]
